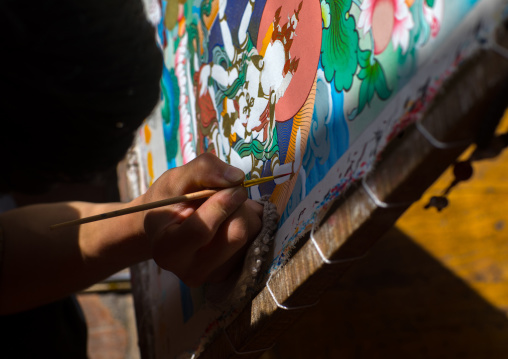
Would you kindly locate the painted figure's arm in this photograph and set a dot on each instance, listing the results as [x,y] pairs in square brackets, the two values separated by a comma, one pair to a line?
[222,76]
[198,241]
[225,32]
[244,24]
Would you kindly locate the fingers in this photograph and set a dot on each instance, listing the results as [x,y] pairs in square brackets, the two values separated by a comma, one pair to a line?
[255,208]
[198,229]
[204,172]
[194,239]
[208,171]
[241,227]
[238,233]
[193,256]
[206,220]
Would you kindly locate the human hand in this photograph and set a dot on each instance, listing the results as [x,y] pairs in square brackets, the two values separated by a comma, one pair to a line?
[201,240]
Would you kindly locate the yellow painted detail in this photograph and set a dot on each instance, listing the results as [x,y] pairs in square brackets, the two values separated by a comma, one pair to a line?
[266,40]
[148,134]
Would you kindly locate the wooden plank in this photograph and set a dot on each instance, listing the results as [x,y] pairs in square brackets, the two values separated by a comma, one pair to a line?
[409,165]
[435,286]
[143,310]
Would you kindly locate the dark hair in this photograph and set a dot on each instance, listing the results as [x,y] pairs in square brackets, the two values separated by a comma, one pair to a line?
[78,79]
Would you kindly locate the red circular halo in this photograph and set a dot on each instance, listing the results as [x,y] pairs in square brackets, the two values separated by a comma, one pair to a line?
[306,47]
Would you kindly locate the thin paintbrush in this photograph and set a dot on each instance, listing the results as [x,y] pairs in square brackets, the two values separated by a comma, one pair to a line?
[165,202]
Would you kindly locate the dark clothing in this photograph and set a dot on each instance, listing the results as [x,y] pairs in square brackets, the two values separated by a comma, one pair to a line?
[56,330]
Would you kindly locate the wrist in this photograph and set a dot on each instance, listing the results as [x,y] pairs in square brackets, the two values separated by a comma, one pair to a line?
[119,240]
[134,226]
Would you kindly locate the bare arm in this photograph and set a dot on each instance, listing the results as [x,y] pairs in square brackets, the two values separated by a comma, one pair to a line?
[244,24]
[40,265]
[193,240]
[225,32]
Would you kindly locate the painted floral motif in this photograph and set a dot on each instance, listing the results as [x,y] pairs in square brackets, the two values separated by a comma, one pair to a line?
[373,80]
[315,87]
[388,20]
[433,12]
[339,45]
[219,97]
[349,60]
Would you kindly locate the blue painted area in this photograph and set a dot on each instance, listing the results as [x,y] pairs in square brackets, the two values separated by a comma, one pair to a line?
[338,138]
[284,135]
[169,113]
[170,85]
[160,25]
[294,200]
[234,12]
[328,140]
[268,187]
[256,20]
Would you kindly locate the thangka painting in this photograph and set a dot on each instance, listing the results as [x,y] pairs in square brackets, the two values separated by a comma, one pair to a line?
[310,89]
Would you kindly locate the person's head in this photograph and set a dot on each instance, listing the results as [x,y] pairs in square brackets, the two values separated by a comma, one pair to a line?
[78,79]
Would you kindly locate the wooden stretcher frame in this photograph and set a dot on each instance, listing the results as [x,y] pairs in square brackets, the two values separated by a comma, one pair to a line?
[408,166]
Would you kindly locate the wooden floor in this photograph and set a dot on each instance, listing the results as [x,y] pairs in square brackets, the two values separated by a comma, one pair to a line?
[436,286]
[111,325]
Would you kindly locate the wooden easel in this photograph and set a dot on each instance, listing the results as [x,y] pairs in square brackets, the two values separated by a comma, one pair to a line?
[358,219]
[408,167]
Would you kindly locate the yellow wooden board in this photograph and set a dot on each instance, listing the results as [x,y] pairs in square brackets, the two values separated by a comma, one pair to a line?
[436,286]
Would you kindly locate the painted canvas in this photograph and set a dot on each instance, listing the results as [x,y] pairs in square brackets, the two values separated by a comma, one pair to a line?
[312,89]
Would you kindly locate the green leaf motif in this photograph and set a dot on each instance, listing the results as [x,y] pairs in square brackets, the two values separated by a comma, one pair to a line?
[206,8]
[339,46]
[373,80]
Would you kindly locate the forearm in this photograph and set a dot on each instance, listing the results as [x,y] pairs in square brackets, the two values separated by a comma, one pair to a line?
[41,265]
[193,240]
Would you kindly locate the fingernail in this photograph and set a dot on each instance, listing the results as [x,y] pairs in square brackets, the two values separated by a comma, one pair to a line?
[234,175]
